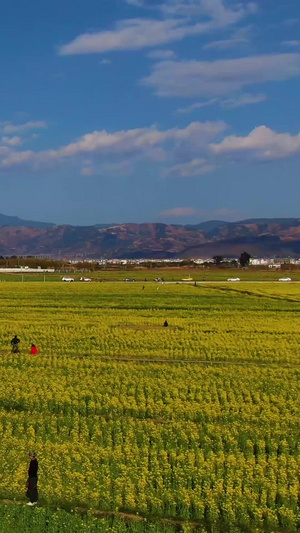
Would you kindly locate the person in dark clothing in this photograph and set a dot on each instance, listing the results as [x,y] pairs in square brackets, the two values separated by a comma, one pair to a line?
[166,324]
[32,490]
[15,344]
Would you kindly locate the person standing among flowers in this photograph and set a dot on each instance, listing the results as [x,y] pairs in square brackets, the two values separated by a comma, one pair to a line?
[32,490]
[34,350]
[15,344]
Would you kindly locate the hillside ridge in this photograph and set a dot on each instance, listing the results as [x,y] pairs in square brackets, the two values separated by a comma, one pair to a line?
[262,237]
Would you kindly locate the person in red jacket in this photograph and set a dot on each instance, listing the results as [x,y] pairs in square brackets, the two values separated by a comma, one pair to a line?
[34,350]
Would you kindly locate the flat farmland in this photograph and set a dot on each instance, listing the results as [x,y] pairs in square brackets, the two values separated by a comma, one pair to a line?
[190,427]
[169,274]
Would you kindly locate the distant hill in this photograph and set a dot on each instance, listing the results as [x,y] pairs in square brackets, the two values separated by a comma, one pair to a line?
[207,226]
[101,226]
[6,220]
[259,237]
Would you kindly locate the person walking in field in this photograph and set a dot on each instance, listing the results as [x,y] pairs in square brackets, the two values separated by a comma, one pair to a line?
[15,344]
[34,350]
[32,490]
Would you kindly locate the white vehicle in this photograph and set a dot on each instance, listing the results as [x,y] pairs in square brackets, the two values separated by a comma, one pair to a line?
[233,279]
[85,279]
[67,279]
[285,279]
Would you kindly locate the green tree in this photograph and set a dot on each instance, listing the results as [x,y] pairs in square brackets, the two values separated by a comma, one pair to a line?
[244,259]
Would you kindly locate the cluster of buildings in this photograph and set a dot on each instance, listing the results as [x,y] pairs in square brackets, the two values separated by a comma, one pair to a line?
[272,263]
[26,270]
[257,261]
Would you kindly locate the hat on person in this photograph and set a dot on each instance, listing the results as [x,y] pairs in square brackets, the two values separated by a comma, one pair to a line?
[31,454]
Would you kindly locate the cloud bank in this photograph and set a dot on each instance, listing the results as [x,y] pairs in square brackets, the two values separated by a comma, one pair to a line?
[147,143]
[195,167]
[186,152]
[138,33]
[205,214]
[240,100]
[263,142]
[222,77]
[9,127]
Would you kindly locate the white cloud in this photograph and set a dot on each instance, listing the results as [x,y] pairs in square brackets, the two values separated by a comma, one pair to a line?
[225,43]
[17,158]
[115,169]
[8,127]
[264,142]
[197,105]
[291,43]
[134,34]
[196,167]
[138,139]
[148,143]
[213,8]
[240,36]
[105,62]
[179,212]
[215,78]
[243,100]
[203,214]
[11,141]
[240,100]
[161,54]
[131,34]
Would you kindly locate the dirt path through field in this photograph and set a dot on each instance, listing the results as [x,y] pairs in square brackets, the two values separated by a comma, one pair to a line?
[252,293]
[129,517]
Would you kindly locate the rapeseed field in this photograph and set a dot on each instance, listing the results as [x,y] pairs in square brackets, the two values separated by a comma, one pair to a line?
[197,423]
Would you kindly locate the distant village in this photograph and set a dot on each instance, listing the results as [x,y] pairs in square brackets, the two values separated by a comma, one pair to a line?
[50,265]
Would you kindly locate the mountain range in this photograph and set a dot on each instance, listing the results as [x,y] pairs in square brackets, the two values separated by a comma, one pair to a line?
[6,220]
[259,237]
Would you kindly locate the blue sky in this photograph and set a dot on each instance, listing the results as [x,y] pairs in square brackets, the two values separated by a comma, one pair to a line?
[175,111]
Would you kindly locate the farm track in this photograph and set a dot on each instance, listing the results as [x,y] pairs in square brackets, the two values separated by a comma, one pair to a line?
[127,517]
[256,294]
